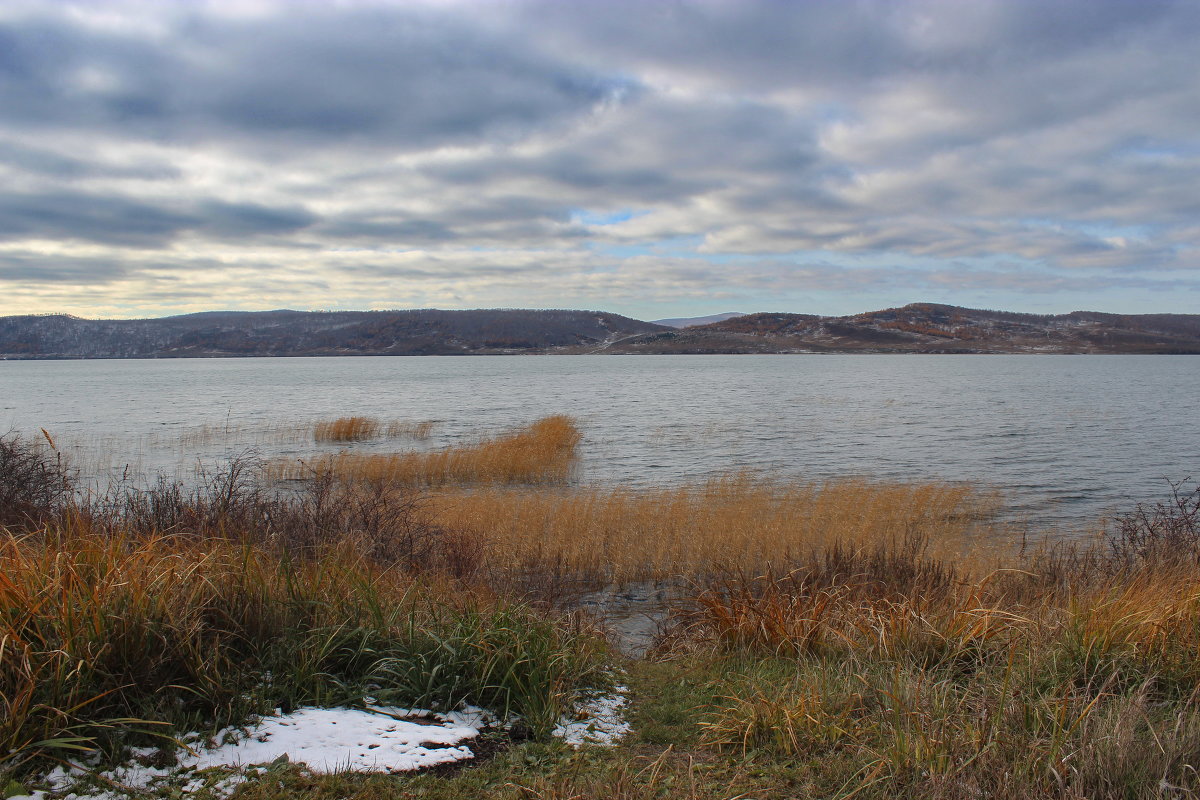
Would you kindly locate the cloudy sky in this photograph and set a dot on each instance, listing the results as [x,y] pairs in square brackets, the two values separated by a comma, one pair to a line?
[650,157]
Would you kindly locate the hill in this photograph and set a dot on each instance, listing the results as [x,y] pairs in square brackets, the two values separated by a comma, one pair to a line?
[931,328]
[916,328]
[311,333]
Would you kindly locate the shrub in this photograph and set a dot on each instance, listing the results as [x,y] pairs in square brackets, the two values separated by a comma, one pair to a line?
[35,484]
[1166,530]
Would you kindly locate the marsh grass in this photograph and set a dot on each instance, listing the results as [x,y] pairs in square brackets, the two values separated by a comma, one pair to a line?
[141,613]
[837,639]
[923,677]
[741,522]
[360,429]
[102,634]
[347,429]
[543,452]
[273,432]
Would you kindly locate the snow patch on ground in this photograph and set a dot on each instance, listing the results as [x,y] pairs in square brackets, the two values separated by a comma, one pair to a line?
[599,720]
[338,739]
[374,739]
[324,739]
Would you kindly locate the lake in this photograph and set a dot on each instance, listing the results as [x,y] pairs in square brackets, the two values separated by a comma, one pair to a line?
[1064,438]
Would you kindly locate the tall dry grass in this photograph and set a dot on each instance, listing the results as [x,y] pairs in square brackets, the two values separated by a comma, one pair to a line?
[105,635]
[347,429]
[361,429]
[740,522]
[543,452]
[233,434]
[1072,673]
[863,628]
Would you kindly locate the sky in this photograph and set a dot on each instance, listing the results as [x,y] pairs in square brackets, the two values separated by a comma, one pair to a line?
[655,158]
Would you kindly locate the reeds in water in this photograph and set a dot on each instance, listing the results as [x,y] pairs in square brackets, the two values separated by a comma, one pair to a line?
[361,429]
[342,429]
[347,429]
[543,452]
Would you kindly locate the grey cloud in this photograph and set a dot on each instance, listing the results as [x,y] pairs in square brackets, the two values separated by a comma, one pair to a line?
[225,220]
[51,164]
[942,239]
[786,276]
[389,231]
[765,44]
[111,220]
[436,271]
[29,268]
[936,129]
[496,219]
[119,220]
[657,150]
[389,78]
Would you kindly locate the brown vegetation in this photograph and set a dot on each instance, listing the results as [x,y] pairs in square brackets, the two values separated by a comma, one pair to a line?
[741,522]
[361,429]
[839,639]
[543,452]
[347,429]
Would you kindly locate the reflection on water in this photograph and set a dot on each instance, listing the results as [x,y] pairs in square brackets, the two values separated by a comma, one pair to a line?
[1063,437]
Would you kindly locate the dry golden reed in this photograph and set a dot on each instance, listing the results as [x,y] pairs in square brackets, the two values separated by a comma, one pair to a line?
[738,522]
[103,631]
[347,429]
[343,429]
[543,452]
[361,429]
[74,602]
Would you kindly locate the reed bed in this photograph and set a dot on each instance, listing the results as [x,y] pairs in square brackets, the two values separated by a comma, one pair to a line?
[836,639]
[342,429]
[361,429]
[106,636]
[1074,673]
[740,522]
[347,429]
[543,452]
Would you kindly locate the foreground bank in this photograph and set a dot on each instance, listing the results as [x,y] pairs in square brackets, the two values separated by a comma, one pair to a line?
[833,640]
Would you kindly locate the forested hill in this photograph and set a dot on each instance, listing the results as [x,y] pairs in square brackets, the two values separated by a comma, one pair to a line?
[932,328]
[301,333]
[916,328]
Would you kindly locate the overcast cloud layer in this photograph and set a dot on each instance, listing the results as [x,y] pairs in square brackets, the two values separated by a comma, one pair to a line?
[653,158]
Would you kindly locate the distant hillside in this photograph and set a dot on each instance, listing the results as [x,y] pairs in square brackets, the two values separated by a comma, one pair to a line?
[304,333]
[931,328]
[917,328]
[687,322]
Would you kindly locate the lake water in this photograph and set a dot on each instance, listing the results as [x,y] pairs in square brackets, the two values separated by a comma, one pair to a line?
[1064,438]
